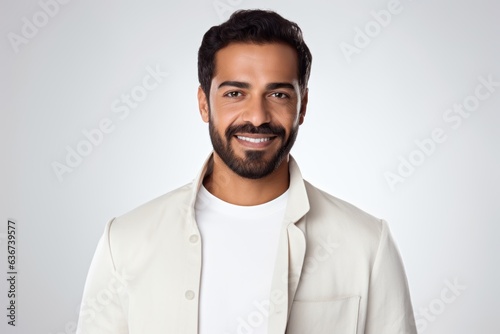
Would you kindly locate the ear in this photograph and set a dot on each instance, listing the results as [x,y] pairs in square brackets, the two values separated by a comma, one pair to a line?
[203,105]
[303,106]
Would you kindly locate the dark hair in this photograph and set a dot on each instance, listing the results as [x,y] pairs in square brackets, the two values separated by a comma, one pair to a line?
[252,26]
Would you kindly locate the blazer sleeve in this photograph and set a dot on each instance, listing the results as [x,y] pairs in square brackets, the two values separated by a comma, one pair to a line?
[102,310]
[389,305]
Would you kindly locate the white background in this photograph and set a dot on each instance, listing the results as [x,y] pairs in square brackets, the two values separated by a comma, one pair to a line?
[365,112]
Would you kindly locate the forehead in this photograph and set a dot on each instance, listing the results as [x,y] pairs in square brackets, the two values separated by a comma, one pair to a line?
[245,61]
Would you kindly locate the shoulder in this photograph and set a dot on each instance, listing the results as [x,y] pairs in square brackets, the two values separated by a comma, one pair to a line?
[150,219]
[137,234]
[332,215]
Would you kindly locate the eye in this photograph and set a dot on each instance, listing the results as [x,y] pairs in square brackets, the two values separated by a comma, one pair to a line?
[233,94]
[280,95]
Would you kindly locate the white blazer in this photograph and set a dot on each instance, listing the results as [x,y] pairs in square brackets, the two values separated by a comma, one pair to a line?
[337,271]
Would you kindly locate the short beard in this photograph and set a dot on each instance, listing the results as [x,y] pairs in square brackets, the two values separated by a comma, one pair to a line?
[253,166]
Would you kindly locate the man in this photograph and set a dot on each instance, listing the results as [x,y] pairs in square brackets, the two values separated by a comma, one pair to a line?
[248,246]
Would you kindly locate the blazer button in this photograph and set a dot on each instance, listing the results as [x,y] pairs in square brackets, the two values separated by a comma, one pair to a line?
[189,294]
[194,238]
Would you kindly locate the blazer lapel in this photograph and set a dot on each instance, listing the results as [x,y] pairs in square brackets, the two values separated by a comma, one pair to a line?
[291,253]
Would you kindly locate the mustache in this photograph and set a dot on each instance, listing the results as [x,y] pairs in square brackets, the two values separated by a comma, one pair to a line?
[265,128]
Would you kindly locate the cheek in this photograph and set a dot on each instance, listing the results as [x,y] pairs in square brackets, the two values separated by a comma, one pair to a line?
[290,120]
[219,123]
[222,118]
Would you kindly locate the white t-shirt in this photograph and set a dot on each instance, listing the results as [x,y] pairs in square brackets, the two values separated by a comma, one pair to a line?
[239,245]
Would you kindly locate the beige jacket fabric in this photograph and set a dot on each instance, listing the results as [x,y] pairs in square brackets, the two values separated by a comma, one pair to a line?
[337,271]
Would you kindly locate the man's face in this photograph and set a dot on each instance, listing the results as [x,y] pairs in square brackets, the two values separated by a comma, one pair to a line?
[255,107]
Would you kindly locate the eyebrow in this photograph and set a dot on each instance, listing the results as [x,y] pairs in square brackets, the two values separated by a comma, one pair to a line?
[277,85]
[246,85]
[238,84]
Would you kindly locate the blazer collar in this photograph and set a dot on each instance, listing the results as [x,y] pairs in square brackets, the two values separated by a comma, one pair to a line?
[298,202]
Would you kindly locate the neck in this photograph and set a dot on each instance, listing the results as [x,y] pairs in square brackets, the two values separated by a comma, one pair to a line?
[225,184]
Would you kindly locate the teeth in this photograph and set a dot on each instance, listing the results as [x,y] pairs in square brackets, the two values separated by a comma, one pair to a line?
[254,140]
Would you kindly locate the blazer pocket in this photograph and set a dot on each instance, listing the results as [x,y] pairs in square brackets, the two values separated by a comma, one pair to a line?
[338,316]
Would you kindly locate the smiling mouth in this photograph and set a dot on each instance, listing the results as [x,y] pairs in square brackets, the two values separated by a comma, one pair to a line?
[255,140]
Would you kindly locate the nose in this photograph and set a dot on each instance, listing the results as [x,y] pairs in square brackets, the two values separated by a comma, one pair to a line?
[256,112]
